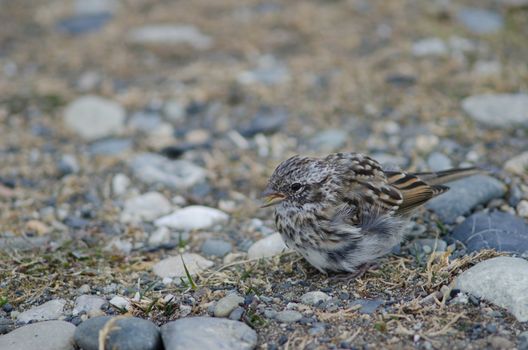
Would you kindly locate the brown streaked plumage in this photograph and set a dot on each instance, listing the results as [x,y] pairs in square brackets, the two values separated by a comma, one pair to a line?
[343,211]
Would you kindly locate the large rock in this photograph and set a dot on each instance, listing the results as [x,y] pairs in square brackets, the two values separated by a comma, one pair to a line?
[197,333]
[464,195]
[173,266]
[94,117]
[130,333]
[498,110]
[496,230]
[49,335]
[267,247]
[155,169]
[194,217]
[50,310]
[502,281]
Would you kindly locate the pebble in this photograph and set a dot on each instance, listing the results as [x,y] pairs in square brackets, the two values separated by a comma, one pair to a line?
[130,333]
[155,169]
[84,289]
[173,266]
[236,314]
[119,245]
[146,207]
[267,247]
[427,244]
[330,140]
[367,306]
[171,35]
[196,333]
[145,121]
[94,117]
[522,208]
[500,343]
[314,298]
[496,230]
[110,147]
[49,335]
[267,120]
[288,316]
[216,247]
[120,302]
[83,23]
[480,21]
[438,161]
[120,184]
[502,281]
[159,237]
[194,217]
[269,71]
[50,310]
[86,303]
[227,304]
[517,165]
[498,110]
[429,47]
[68,165]
[174,111]
[464,195]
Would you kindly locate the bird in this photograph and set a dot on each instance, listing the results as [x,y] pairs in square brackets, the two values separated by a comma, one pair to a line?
[343,211]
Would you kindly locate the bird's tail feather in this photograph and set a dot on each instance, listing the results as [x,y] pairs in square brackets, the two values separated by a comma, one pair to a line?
[444,176]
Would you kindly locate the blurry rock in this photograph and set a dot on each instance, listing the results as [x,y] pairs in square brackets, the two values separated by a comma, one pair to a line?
[174,110]
[498,110]
[83,7]
[486,69]
[50,310]
[480,21]
[118,245]
[173,266]
[269,71]
[214,333]
[193,217]
[68,165]
[110,147]
[267,120]
[518,165]
[171,35]
[145,121]
[155,169]
[146,207]
[429,47]
[522,208]
[94,117]
[330,140]
[428,245]
[314,298]
[439,161]
[216,247]
[401,80]
[227,304]
[288,316]
[84,23]
[88,81]
[368,306]
[49,335]
[464,195]
[500,280]
[267,247]
[160,236]
[459,45]
[496,230]
[127,333]
[86,303]
[120,183]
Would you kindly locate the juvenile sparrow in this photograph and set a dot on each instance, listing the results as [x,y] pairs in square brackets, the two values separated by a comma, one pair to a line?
[343,211]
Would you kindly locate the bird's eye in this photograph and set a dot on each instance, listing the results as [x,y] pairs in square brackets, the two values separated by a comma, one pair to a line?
[296,187]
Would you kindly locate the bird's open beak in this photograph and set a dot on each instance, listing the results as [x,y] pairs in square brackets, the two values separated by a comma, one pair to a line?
[270,197]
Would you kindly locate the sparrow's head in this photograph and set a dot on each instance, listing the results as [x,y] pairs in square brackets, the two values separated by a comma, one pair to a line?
[297,180]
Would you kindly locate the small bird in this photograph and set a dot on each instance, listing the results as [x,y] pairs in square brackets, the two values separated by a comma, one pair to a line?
[343,211]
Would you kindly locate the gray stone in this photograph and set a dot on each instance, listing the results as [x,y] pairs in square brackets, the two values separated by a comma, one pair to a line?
[197,333]
[267,120]
[314,298]
[426,245]
[288,316]
[6,325]
[496,230]
[502,281]
[330,140]
[110,147]
[480,21]
[429,47]
[85,23]
[216,247]
[267,247]
[227,304]
[94,117]
[367,306]
[170,35]
[269,71]
[49,335]
[130,333]
[50,310]
[173,266]
[68,165]
[523,341]
[145,207]
[518,164]
[193,217]
[438,161]
[145,121]
[155,169]
[87,303]
[236,314]
[498,110]
[174,111]
[23,243]
[464,195]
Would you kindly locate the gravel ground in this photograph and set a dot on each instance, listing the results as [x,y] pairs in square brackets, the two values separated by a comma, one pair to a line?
[137,135]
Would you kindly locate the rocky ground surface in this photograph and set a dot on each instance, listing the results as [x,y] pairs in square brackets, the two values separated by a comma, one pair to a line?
[136,136]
